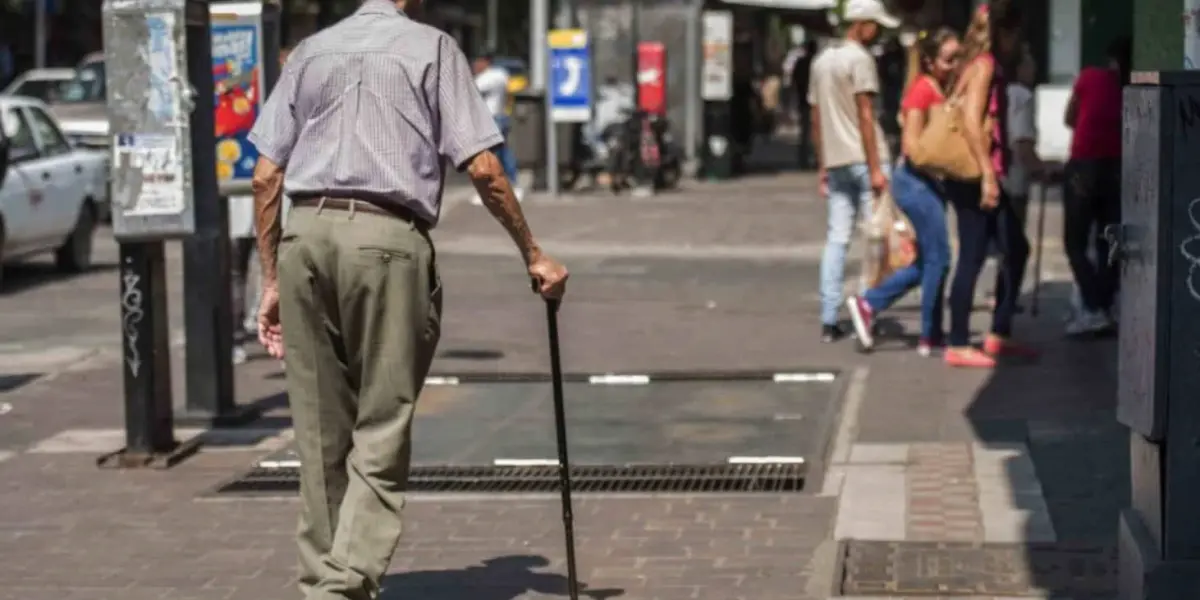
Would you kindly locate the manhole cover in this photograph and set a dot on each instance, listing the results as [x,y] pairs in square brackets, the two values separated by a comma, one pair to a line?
[733,478]
[889,569]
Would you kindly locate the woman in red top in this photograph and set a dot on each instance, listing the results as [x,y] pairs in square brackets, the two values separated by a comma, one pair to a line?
[1092,194]
[920,197]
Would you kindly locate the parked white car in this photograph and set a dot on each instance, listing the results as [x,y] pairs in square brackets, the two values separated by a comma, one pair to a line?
[46,85]
[52,193]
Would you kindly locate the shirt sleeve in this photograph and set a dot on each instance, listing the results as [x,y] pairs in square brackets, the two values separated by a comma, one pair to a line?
[274,133]
[811,96]
[1082,83]
[466,125]
[1021,120]
[864,76]
[920,96]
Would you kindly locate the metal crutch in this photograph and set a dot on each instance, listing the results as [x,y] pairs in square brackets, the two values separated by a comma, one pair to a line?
[1037,250]
[564,463]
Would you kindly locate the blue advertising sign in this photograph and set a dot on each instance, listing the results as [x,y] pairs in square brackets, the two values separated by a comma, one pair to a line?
[570,76]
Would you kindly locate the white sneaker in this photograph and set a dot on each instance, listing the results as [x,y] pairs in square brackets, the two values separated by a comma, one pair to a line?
[239,355]
[1088,322]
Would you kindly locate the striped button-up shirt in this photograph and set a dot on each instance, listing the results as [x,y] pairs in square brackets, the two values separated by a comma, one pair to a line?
[372,108]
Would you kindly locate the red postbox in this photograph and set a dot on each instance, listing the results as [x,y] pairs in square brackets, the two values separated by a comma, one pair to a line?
[652,77]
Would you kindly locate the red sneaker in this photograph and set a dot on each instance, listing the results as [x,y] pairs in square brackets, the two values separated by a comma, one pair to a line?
[968,357]
[998,346]
[863,319]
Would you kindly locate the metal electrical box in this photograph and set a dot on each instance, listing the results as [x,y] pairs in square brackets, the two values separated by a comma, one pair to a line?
[149,104]
[1157,245]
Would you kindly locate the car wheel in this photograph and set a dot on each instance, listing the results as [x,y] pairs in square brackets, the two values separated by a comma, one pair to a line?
[75,255]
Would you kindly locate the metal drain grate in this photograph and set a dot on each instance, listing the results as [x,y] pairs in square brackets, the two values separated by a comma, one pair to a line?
[940,569]
[705,479]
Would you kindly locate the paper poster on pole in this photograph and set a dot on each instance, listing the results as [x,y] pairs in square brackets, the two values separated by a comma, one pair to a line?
[162,98]
[716,82]
[237,55]
[151,174]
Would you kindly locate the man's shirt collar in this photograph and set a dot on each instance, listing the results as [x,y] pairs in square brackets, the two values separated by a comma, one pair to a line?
[379,7]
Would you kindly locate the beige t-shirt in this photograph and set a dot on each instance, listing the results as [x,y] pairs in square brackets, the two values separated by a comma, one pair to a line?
[838,73]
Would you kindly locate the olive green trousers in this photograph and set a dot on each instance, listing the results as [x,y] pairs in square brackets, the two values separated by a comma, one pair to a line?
[360,307]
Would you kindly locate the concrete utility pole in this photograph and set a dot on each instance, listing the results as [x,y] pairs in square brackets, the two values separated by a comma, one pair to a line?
[493,24]
[40,34]
[539,22]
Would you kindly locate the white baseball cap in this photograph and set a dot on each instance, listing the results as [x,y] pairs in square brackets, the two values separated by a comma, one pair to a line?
[869,10]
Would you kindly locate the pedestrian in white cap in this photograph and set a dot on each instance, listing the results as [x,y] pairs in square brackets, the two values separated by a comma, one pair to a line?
[852,153]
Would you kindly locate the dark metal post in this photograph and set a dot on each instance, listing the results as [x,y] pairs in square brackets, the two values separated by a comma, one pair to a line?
[146,361]
[208,305]
[716,93]
[150,204]
[146,349]
[635,38]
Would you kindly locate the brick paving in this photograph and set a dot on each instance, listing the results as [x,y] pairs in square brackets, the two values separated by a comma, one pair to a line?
[943,500]
[68,530]
[71,531]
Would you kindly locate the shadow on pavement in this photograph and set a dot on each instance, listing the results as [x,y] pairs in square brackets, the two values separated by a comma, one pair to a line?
[1065,455]
[503,578]
[476,354]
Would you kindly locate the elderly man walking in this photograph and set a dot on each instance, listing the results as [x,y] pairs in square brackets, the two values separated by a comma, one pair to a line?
[364,116]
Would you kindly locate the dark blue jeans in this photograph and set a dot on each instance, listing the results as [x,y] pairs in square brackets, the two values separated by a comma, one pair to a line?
[508,160]
[920,199]
[976,227]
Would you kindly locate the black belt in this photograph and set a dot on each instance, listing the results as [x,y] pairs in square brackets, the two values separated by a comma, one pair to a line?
[358,205]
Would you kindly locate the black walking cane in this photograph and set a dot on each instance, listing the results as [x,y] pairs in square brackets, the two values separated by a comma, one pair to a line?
[1037,250]
[560,426]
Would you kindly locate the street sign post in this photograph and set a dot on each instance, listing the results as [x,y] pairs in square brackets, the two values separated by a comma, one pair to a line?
[152,111]
[568,90]
[716,91]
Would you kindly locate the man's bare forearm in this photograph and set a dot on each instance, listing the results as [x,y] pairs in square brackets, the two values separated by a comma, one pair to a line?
[866,126]
[268,205]
[487,174]
[816,136]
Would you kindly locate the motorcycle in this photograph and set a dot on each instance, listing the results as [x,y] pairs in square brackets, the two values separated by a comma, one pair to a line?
[642,151]
[587,159]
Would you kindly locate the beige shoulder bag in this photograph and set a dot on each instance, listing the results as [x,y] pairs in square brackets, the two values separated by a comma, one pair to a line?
[943,149]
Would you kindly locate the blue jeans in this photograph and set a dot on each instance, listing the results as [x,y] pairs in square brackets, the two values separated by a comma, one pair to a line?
[919,197]
[850,198]
[976,229]
[507,159]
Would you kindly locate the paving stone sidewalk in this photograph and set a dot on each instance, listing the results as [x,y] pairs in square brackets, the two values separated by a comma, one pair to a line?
[1022,454]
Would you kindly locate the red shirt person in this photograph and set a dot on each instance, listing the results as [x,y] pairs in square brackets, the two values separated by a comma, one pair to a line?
[918,195]
[1095,114]
[1092,194]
